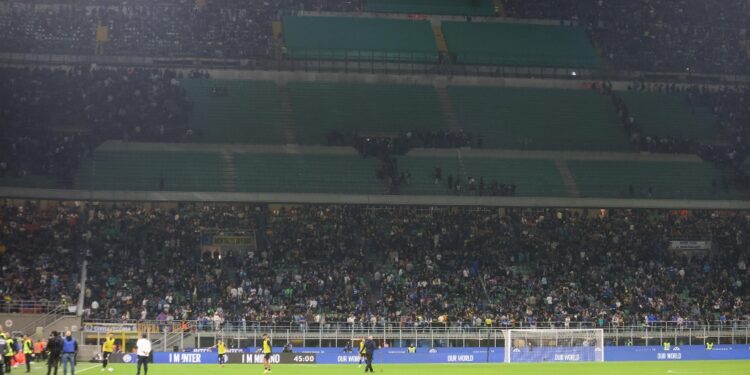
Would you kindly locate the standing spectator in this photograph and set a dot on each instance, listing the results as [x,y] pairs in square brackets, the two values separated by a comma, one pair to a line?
[370,349]
[54,350]
[69,352]
[143,346]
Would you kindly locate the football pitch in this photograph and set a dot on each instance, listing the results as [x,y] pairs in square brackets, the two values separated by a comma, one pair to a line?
[613,368]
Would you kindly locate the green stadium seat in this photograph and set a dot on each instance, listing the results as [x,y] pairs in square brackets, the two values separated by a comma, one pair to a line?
[447,7]
[359,39]
[520,44]
[676,180]
[31,181]
[320,108]
[248,113]
[306,174]
[181,171]
[531,177]
[541,119]
[670,115]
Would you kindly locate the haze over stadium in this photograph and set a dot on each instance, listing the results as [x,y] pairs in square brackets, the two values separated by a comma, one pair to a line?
[402,186]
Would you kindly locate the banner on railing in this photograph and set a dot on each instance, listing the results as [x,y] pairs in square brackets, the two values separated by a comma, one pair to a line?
[690,245]
[229,358]
[109,327]
[450,355]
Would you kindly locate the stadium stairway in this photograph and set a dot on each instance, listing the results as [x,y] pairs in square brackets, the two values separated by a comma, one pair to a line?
[499,8]
[278,39]
[288,126]
[229,172]
[567,176]
[446,104]
[437,30]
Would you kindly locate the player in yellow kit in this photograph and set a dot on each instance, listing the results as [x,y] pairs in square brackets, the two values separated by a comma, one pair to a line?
[221,348]
[362,351]
[266,354]
[107,348]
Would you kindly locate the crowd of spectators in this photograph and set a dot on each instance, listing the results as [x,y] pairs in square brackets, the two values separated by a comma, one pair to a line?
[656,35]
[41,250]
[166,28]
[729,104]
[51,118]
[377,265]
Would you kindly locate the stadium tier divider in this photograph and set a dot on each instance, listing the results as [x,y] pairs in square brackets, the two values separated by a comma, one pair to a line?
[445,7]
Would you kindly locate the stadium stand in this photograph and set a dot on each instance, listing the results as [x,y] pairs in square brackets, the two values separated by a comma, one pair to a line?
[321,109]
[527,118]
[614,179]
[306,174]
[480,176]
[670,115]
[519,44]
[234,111]
[397,264]
[359,39]
[668,35]
[447,7]
[152,171]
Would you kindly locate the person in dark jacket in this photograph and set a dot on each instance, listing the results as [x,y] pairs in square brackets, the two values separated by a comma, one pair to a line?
[370,350]
[54,351]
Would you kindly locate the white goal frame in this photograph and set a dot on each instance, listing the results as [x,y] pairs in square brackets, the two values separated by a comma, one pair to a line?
[555,336]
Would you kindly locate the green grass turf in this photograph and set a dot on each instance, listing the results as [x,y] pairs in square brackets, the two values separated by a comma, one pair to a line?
[613,368]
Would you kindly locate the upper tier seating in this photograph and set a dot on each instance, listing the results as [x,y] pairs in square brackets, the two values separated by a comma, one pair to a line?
[359,38]
[520,44]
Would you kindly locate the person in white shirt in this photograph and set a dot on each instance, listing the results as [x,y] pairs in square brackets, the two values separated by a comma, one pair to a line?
[143,350]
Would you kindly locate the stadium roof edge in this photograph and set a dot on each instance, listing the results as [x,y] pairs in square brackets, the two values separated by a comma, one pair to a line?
[361,199]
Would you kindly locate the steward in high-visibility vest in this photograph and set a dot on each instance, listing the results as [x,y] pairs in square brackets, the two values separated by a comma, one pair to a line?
[28,352]
[9,352]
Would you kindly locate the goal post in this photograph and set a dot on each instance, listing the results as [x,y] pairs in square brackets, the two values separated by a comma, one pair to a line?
[554,345]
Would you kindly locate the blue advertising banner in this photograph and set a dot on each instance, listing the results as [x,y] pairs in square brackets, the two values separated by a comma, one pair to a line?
[470,355]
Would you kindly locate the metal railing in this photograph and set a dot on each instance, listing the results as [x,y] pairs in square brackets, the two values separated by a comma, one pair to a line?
[32,307]
[403,62]
[248,335]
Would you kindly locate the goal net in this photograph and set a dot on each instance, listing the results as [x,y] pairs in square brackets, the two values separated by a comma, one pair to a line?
[554,345]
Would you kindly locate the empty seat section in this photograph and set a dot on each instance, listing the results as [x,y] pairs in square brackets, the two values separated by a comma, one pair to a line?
[531,177]
[449,7]
[306,174]
[422,170]
[540,119]
[359,38]
[235,111]
[321,108]
[177,171]
[612,179]
[30,181]
[670,115]
[494,43]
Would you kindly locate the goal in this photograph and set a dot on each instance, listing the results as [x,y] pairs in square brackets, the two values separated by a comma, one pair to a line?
[554,345]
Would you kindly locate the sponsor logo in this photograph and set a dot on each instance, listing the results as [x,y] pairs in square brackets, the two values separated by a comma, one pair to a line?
[461,358]
[567,357]
[127,358]
[668,356]
[185,358]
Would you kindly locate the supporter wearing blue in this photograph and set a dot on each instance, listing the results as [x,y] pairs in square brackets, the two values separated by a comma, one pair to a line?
[69,352]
